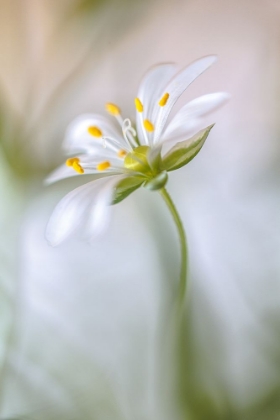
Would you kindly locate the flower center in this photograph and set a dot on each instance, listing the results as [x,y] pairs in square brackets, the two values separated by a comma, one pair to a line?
[137,160]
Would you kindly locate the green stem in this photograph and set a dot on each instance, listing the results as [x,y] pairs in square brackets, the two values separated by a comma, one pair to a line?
[183,244]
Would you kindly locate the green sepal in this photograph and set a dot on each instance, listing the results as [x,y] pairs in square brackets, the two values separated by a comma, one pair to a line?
[157,182]
[126,187]
[154,158]
[184,151]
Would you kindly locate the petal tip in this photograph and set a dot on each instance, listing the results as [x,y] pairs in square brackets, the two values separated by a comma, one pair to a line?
[212,57]
[47,181]
[227,96]
[49,241]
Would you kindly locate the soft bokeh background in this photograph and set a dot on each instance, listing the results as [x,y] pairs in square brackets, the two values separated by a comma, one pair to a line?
[84,329]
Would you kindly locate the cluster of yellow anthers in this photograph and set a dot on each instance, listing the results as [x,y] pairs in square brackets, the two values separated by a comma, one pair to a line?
[96,132]
[75,163]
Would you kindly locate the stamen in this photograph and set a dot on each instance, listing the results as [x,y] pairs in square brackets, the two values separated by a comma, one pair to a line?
[102,166]
[113,109]
[77,167]
[71,161]
[122,153]
[112,143]
[148,125]
[138,105]
[95,131]
[164,99]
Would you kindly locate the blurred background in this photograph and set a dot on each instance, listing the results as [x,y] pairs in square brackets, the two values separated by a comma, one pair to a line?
[84,329]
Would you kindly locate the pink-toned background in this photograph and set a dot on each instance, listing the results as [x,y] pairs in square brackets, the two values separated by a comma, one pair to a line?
[79,324]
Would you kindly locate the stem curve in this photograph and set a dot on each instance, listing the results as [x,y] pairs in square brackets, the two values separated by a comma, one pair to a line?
[183,244]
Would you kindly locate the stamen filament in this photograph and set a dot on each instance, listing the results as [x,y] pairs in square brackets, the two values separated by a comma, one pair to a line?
[144,131]
[116,112]
[118,144]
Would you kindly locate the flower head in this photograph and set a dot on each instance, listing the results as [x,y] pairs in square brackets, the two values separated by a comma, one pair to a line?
[131,157]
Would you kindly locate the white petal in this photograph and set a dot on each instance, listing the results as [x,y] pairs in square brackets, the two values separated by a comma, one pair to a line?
[99,213]
[193,110]
[63,172]
[86,206]
[205,104]
[91,161]
[78,139]
[182,131]
[149,91]
[177,86]
[67,215]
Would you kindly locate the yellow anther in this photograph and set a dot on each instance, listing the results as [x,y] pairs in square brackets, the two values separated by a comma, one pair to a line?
[70,161]
[94,131]
[113,109]
[138,105]
[122,153]
[103,165]
[164,99]
[148,125]
[77,167]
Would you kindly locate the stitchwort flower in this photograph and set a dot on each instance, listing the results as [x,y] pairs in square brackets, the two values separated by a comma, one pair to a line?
[131,156]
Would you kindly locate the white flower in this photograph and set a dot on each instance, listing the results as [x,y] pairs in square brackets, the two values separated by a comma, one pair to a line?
[130,157]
